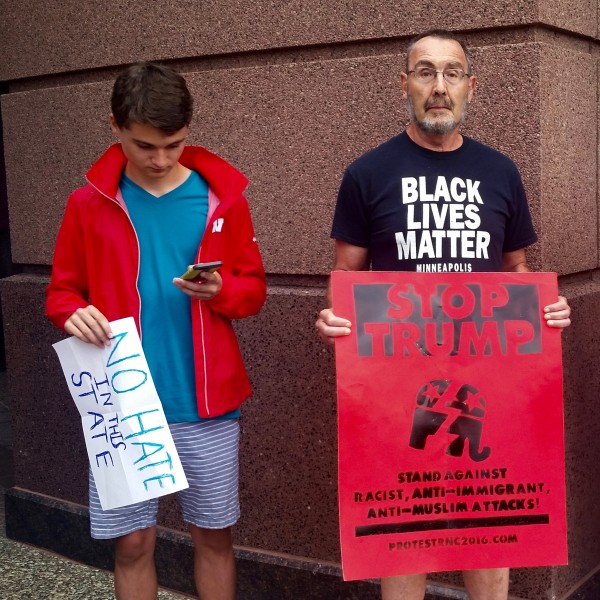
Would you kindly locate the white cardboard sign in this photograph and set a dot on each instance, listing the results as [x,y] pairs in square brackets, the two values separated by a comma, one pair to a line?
[129,445]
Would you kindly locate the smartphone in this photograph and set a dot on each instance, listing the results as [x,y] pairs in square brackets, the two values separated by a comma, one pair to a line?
[194,271]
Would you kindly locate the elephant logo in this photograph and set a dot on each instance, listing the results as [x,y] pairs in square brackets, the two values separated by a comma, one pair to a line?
[465,410]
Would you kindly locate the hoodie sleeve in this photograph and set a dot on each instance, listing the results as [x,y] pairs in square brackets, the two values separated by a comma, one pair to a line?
[244,286]
[68,288]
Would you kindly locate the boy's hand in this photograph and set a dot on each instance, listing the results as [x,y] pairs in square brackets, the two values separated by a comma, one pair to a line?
[89,325]
[206,287]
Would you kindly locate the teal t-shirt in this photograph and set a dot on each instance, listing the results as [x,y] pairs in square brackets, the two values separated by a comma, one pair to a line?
[169,230]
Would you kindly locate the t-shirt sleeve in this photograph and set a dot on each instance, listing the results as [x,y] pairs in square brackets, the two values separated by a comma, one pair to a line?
[520,232]
[350,221]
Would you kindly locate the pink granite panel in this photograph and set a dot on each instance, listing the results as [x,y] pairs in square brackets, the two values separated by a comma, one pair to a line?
[543,123]
[505,114]
[568,147]
[296,127]
[72,35]
[579,16]
[292,128]
[51,137]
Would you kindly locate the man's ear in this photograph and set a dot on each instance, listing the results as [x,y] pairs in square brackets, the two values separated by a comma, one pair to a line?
[472,84]
[404,84]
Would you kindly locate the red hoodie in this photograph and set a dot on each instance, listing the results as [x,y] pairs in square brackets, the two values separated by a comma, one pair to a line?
[96,261]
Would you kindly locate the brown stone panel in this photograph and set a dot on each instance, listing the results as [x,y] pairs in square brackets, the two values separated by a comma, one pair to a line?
[581,360]
[568,147]
[48,448]
[288,454]
[289,449]
[71,35]
[288,457]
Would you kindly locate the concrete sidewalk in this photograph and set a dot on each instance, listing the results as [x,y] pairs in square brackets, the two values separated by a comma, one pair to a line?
[27,573]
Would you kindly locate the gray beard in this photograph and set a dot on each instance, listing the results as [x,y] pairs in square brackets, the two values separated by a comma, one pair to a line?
[432,126]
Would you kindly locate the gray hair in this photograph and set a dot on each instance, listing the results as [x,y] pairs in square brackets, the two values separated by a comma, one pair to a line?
[441,34]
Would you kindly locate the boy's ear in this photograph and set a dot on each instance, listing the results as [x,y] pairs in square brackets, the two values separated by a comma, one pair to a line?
[113,125]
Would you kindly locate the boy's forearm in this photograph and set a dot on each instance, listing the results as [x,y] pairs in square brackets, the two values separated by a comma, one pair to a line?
[240,296]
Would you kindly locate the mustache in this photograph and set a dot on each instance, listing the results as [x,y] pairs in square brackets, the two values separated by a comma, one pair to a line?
[439,102]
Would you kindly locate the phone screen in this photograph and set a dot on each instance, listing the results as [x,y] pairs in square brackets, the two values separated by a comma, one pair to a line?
[195,270]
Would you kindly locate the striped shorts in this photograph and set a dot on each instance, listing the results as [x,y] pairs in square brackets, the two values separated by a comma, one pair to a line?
[209,455]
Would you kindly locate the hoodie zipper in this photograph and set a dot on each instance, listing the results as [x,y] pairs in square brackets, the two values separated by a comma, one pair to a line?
[213,205]
[137,241]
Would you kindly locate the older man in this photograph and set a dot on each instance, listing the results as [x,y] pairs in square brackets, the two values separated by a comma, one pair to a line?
[433,200]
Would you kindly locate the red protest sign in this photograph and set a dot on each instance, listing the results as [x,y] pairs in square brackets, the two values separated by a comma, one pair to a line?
[451,449]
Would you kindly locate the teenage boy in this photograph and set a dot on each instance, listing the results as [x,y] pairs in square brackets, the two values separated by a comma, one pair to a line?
[153,206]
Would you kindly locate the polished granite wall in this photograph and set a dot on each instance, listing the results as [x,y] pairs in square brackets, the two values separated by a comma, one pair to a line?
[290,93]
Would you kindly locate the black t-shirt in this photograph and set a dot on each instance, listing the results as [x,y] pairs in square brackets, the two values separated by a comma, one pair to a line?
[420,210]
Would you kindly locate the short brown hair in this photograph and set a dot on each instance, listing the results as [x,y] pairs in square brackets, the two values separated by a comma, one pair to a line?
[152,94]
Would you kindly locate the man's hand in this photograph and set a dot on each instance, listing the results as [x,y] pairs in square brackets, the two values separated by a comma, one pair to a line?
[206,287]
[89,325]
[329,326]
[557,314]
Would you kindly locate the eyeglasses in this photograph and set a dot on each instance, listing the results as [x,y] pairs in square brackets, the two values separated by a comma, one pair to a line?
[428,74]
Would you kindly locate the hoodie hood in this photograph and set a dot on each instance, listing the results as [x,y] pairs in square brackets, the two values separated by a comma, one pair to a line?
[224,179]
